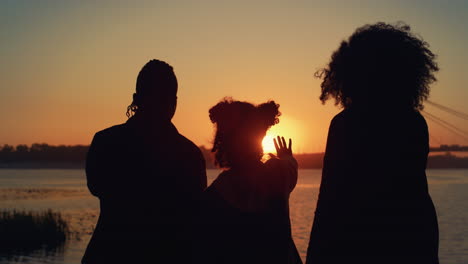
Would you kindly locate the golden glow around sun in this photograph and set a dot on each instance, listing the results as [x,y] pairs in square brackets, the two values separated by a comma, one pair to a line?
[268,145]
[287,128]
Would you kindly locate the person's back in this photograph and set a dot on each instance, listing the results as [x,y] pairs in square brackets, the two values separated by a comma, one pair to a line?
[374,199]
[148,179]
[246,222]
[374,205]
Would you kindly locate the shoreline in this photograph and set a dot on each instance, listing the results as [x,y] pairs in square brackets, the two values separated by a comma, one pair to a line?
[79,166]
[42,165]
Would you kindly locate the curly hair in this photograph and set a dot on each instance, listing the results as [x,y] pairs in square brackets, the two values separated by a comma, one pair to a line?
[240,124]
[155,77]
[380,64]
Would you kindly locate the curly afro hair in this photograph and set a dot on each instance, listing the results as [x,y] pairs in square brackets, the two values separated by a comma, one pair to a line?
[240,124]
[380,64]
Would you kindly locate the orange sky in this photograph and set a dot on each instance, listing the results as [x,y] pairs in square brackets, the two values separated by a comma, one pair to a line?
[69,69]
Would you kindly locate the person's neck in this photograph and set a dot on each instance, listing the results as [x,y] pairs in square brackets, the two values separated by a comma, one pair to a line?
[147,124]
[150,120]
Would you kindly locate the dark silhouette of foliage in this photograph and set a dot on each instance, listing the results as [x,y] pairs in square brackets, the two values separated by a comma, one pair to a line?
[43,154]
[22,233]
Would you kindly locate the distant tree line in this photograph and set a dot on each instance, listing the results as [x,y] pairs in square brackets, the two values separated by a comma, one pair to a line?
[447,161]
[448,148]
[47,155]
[62,156]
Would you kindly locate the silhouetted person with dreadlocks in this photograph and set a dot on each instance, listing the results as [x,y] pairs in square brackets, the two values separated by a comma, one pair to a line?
[148,178]
[374,205]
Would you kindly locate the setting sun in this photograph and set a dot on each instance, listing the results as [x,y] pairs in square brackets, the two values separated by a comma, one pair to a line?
[268,145]
[289,128]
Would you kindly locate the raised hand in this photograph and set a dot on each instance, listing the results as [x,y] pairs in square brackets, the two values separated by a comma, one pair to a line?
[283,151]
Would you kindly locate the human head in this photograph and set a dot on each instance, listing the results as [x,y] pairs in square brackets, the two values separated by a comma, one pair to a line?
[380,65]
[240,129]
[156,91]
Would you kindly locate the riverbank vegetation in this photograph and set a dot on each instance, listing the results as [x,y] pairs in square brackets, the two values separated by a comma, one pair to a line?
[24,232]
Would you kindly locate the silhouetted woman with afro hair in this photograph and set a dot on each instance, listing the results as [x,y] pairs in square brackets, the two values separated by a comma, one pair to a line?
[374,205]
[246,211]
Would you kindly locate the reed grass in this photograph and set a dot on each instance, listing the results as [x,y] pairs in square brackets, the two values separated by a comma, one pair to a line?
[23,232]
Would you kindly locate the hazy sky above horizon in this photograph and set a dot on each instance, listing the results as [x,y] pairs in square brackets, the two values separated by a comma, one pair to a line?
[69,67]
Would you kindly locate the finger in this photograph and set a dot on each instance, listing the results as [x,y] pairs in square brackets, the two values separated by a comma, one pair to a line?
[278,139]
[290,144]
[272,156]
[276,145]
[284,142]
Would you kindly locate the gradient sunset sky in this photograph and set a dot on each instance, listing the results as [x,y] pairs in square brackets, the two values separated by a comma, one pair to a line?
[69,67]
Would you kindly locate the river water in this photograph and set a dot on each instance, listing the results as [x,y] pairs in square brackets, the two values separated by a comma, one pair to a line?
[65,191]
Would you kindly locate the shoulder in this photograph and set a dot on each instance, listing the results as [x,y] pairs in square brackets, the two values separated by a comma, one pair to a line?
[412,121]
[279,165]
[189,146]
[110,134]
[418,125]
[212,204]
[274,163]
[283,174]
[339,119]
[338,122]
[419,119]
[111,131]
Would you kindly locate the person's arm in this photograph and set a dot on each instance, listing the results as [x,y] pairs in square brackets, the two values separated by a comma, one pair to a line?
[325,218]
[284,166]
[289,164]
[201,172]
[334,163]
[94,166]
